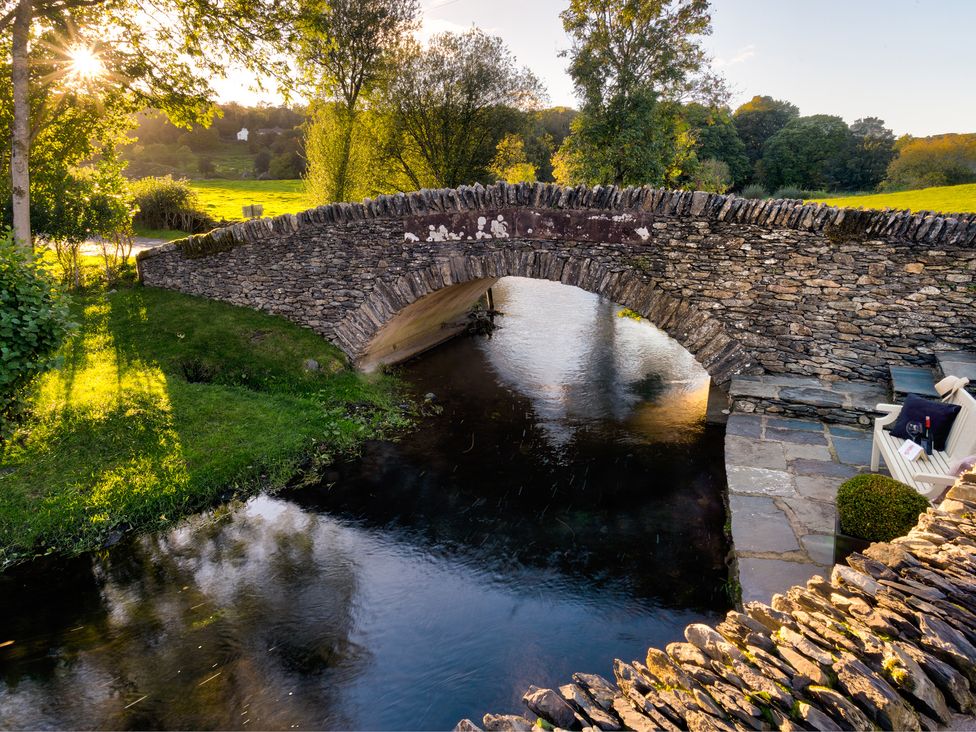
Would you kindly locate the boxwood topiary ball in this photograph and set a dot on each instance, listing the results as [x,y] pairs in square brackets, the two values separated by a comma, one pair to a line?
[878,508]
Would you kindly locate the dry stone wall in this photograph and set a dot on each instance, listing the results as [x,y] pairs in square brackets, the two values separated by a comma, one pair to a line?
[748,286]
[889,642]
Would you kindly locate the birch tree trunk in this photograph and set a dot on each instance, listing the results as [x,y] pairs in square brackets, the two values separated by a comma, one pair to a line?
[20,154]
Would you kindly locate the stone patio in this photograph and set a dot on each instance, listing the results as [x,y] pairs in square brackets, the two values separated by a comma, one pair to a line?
[806,397]
[783,476]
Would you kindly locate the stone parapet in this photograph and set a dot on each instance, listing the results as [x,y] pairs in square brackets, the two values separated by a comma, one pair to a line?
[747,286]
[924,227]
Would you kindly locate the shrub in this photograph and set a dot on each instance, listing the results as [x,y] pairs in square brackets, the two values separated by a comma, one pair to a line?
[712,175]
[165,203]
[789,192]
[33,321]
[878,508]
[754,190]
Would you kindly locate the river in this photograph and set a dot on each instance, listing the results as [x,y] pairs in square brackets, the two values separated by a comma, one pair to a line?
[563,507]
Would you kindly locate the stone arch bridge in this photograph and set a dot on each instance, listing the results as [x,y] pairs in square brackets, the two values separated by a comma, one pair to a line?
[747,286]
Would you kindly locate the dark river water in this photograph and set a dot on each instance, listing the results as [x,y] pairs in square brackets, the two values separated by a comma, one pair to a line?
[564,508]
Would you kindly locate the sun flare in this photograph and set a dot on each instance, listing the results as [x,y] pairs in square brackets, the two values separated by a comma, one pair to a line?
[84,64]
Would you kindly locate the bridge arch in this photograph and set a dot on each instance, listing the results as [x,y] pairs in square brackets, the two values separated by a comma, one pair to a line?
[411,312]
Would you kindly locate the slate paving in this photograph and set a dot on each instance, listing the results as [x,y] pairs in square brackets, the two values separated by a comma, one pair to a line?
[783,476]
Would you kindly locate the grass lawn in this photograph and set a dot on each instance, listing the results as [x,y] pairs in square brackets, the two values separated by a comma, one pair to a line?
[947,199]
[166,404]
[165,234]
[223,199]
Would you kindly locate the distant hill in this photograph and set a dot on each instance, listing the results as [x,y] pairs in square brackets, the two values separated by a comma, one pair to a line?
[274,147]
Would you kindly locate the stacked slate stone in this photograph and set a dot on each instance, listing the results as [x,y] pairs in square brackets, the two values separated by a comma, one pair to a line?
[889,642]
[924,226]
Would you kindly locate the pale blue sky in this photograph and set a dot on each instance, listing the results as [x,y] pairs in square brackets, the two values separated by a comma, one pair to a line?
[910,62]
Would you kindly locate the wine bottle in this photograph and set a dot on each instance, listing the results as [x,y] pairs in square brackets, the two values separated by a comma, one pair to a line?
[927,436]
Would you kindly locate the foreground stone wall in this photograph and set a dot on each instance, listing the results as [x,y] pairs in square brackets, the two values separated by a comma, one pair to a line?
[747,286]
[888,642]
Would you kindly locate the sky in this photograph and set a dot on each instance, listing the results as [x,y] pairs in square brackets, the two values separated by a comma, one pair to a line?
[910,62]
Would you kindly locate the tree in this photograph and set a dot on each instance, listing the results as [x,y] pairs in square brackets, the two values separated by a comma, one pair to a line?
[510,163]
[711,175]
[759,119]
[809,152]
[633,62]
[345,48]
[716,138]
[156,52]
[940,160]
[543,133]
[872,152]
[447,106]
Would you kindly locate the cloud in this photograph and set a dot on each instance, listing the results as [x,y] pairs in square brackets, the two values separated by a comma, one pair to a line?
[744,54]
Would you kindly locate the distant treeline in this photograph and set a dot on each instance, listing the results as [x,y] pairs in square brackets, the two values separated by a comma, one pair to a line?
[764,143]
[274,147]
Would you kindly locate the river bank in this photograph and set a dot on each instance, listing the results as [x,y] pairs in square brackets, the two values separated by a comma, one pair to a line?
[165,404]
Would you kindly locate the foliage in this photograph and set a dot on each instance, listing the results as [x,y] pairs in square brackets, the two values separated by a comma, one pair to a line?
[446,108]
[873,151]
[947,199]
[754,190]
[716,137]
[120,438]
[346,49]
[811,152]
[791,192]
[632,63]
[543,132]
[337,141]
[165,203]
[262,162]
[156,147]
[631,141]
[76,185]
[33,321]
[510,163]
[878,508]
[941,160]
[711,175]
[759,119]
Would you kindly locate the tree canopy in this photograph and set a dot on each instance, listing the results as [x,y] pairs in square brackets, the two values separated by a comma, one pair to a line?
[809,152]
[759,119]
[447,106]
[633,62]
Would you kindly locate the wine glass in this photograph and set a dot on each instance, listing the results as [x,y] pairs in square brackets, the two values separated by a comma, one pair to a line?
[914,429]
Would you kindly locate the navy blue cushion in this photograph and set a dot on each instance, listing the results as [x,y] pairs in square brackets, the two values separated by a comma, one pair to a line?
[916,409]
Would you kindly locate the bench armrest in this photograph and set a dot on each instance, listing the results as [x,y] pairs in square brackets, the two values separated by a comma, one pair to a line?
[935,479]
[891,412]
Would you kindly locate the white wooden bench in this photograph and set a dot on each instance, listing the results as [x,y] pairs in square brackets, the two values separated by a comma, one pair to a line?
[929,474]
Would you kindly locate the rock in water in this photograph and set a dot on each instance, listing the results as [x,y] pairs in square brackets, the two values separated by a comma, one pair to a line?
[506,723]
[551,706]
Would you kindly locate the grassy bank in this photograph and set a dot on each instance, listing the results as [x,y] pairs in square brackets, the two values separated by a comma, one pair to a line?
[223,199]
[165,404]
[948,199]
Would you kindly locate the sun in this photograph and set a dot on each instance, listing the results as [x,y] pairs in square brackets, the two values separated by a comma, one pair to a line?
[84,64]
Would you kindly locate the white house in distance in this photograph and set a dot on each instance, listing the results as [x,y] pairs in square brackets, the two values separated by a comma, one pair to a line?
[242,135]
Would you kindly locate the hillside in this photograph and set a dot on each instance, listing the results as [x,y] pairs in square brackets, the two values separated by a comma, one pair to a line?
[947,199]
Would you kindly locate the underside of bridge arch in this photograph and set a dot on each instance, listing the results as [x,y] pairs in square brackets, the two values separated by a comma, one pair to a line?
[418,310]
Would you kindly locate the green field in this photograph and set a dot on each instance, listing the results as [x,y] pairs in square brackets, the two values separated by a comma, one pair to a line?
[224,199]
[165,404]
[947,199]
